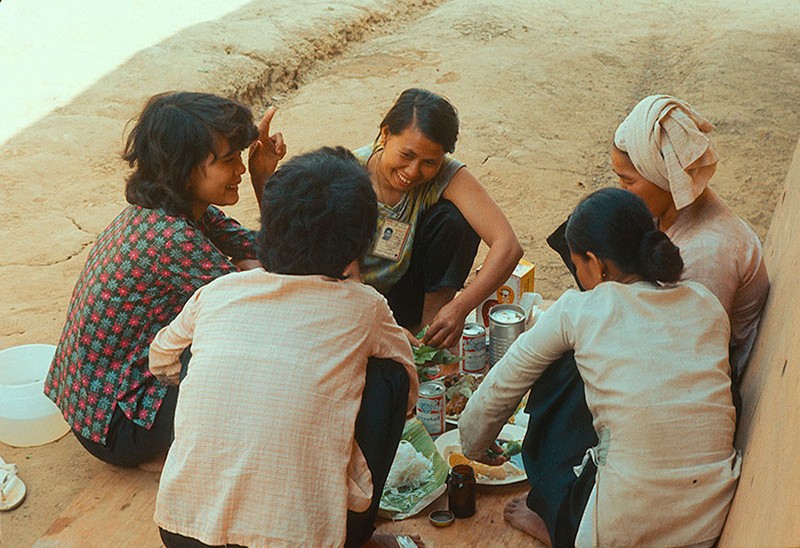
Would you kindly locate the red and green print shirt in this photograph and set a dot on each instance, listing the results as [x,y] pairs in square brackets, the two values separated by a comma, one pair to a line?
[141,271]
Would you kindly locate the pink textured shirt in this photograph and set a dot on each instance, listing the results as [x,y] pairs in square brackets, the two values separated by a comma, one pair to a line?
[264,451]
[723,253]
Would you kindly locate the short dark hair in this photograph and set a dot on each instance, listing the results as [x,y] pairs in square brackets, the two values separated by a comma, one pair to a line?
[615,224]
[318,214]
[175,133]
[432,114]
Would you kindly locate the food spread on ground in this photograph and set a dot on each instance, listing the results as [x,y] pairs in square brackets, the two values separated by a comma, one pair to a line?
[509,439]
[410,471]
[429,360]
[417,476]
[459,390]
[502,472]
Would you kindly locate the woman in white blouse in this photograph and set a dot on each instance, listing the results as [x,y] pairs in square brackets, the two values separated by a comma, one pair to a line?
[653,355]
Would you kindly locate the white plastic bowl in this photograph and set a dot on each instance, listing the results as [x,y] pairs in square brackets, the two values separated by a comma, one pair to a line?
[27,416]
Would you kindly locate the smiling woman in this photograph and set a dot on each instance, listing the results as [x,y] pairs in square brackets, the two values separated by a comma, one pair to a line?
[216,181]
[185,151]
[438,213]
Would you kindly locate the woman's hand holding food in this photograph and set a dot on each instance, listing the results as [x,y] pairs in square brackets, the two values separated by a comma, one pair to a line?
[447,326]
[493,456]
[265,153]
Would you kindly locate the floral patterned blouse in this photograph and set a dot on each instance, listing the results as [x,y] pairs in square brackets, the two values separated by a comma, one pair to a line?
[141,271]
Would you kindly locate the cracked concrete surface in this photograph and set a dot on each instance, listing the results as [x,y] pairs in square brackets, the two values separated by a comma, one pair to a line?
[67,165]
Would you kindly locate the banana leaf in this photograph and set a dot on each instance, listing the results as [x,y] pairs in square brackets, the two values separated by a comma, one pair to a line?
[411,503]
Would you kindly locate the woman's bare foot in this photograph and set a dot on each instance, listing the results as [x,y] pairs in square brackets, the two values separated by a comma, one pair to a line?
[526,520]
[156,465]
[381,540]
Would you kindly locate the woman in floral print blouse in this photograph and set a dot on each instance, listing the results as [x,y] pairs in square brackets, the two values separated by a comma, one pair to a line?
[186,155]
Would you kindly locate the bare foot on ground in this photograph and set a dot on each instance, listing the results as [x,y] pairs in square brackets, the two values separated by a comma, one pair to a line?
[156,465]
[381,540]
[526,520]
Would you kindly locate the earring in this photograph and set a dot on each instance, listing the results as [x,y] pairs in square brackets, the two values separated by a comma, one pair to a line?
[603,275]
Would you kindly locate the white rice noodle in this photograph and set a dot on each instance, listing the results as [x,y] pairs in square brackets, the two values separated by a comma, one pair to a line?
[410,469]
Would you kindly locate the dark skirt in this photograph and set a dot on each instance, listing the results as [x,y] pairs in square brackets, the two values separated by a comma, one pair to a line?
[559,432]
[445,246]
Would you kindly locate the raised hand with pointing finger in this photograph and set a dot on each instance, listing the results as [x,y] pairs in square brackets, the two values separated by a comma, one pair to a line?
[264,154]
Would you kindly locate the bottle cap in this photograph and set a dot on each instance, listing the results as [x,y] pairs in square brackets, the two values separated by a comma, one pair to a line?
[441,518]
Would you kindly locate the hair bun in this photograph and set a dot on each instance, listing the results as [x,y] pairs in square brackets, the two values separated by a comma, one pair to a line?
[659,259]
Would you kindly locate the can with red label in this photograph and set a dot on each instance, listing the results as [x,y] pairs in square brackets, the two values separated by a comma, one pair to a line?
[473,348]
[430,407]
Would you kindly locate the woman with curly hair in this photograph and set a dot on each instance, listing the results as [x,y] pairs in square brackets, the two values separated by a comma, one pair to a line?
[185,151]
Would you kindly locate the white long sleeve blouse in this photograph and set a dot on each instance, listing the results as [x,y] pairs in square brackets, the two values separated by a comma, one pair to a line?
[654,361]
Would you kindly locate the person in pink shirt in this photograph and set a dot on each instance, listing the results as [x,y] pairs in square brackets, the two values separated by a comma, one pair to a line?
[293,402]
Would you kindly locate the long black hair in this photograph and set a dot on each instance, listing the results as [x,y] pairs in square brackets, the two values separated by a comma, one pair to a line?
[616,225]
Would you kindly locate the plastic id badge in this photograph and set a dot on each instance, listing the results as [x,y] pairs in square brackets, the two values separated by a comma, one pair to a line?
[390,239]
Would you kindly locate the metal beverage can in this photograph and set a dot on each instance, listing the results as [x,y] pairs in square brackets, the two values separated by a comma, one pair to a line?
[430,407]
[429,372]
[473,348]
[506,323]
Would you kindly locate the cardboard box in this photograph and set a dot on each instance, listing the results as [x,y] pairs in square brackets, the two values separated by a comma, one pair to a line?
[521,281]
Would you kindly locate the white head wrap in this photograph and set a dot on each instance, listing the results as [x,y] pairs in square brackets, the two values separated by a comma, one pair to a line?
[666,141]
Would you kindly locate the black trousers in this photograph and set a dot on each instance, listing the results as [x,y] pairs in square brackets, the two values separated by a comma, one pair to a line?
[379,427]
[445,246]
[129,444]
[560,430]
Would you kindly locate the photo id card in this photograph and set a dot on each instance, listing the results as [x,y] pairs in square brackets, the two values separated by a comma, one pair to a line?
[390,239]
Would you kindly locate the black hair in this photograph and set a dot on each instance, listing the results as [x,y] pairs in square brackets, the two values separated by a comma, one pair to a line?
[318,214]
[432,114]
[175,133]
[616,225]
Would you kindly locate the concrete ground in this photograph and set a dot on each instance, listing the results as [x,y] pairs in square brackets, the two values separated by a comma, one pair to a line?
[540,86]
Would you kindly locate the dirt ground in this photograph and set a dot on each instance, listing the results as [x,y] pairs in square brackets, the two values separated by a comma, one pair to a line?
[540,86]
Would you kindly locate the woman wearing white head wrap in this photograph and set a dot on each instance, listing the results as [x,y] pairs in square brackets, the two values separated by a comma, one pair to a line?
[662,154]
[666,141]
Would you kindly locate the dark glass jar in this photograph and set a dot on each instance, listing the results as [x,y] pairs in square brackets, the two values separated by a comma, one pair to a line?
[461,491]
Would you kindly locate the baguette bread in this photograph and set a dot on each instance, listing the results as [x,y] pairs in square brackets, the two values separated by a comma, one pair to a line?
[501,472]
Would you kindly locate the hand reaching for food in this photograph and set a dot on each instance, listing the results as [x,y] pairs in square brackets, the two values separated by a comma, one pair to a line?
[494,456]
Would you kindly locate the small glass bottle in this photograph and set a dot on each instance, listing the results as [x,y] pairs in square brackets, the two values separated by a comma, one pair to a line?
[461,491]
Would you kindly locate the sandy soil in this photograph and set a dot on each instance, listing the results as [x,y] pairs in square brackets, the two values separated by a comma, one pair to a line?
[540,86]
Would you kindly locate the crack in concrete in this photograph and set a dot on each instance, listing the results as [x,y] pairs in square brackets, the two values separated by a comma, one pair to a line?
[79,227]
[51,263]
[278,77]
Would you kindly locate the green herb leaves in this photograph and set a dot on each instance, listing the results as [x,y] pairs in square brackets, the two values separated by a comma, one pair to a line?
[428,355]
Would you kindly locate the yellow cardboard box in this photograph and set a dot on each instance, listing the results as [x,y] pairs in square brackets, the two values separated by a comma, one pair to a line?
[521,281]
